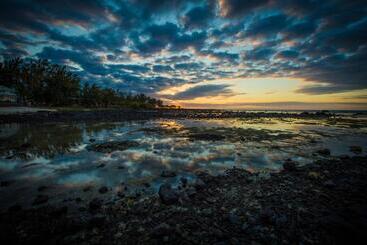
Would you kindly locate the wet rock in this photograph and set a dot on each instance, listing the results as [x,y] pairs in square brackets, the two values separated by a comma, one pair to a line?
[97,220]
[199,184]
[121,194]
[120,167]
[42,188]
[323,152]
[15,208]
[109,147]
[167,194]
[329,184]
[40,199]
[92,140]
[233,217]
[161,230]
[30,165]
[57,212]
[146,184]
[191,192]
[355,149]
[168,174]
[87,188]
[95,204]
[183,181]
[101,165]
[6,183]
[209,137]
[289,165]
[103,190]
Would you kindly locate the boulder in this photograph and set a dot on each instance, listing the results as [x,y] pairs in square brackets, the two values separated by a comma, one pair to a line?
[167,194]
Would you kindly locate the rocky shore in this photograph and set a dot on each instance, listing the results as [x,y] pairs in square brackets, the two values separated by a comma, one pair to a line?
[138,114]
[320,203]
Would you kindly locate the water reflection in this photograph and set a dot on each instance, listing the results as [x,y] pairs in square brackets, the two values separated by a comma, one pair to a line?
[57,155]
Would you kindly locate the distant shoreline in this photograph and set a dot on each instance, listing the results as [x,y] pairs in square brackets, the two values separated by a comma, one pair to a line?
[39,115]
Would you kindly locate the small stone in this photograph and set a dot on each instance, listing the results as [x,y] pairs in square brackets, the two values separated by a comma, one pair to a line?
[42,188]
[199,184]
[103,190]
[168,195]
[355,149]
[40,199]
[289,165]
[161,230]
[183,181]
[95,204]
[324,152]
[329,184]
[168,174]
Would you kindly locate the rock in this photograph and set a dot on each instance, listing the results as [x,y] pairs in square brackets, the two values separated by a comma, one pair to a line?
[314,175]
[183,181]
[78,200]
[146,184]
[161,230]
[57,212]
[6,183]
[15,208]
[103,190]
[101,165]
[108,147]
[191,191]
[168,195]
[42,188]
[233,217]
[120,167]
[121,194]
[329,184]
[323,152]
[87,188]
[168,174]
[40,199]
[355,149]
[92,140]
[204,136]
[199,184]
[289,165]
[97,220]
[95,204]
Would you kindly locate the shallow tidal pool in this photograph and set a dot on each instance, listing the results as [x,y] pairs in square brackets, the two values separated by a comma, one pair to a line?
[71,162]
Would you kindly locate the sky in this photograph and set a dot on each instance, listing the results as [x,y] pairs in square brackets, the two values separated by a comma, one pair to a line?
[231,54]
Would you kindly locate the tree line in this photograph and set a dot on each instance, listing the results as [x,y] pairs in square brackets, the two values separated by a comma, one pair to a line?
[38,82]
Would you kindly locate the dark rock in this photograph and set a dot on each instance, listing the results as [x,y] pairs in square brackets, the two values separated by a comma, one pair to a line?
[329,184]
[121,167]
[92,140]
[95,204]
[6,183]
[183,181]
[355,149]
[203,136]
[42,188]
[40,199]
[161,230]
[87,188]
[167,194]
[101,165]
[168,174]
[120,194]
[191,191]
[57,212]
[103,190]
[147,185]
[233,217]
[109,147]
[97,220]
[199,184]
[15,208]
[289,165]
[324,152]
[78,200]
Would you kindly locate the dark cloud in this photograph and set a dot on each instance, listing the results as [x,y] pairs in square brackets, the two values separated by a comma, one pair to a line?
[198,16]
[203,91]
[236,8]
